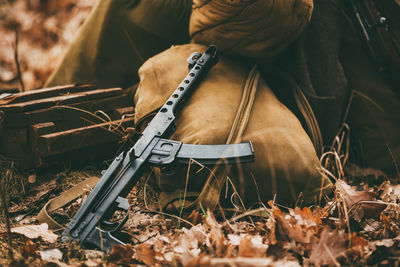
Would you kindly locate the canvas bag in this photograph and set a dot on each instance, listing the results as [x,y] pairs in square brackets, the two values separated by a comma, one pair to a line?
[286,163]
[257,29]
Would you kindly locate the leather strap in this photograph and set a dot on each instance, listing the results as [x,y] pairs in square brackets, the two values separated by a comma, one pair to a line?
[62,200]
[210,194]
[311,124]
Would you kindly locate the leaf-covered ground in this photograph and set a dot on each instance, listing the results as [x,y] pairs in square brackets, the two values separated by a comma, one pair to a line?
[359,225]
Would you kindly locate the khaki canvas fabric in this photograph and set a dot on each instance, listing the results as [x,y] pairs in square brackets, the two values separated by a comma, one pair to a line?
[256,29]
[118,37]
[286,163]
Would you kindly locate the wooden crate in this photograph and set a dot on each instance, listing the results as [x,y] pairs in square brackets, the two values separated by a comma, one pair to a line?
[75,123]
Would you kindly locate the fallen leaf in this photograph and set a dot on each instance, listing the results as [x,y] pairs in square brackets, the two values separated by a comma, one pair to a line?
[234,240]
[250,262]
[36,231]
[385,243]
[121,254]
[51,254]
[305,216]
[351,196]
[217,236]
[145,253]
[300,230]
[360,204]
[93,263]
[201,261]
[30,249]
[93,254]
[329,246]
[271,224]
[391,193]
[367,210]
[252,246]
[358,241]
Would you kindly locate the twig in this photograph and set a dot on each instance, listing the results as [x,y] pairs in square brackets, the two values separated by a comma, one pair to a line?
[256,212]
[331,256]
[17,61]
[7,219]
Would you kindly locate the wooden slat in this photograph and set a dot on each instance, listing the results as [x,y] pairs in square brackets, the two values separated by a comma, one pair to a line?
[34,132]
[60,100]
[40,128]
[80,158]
[27,118]
[61,142]
[49,92]
[14,145]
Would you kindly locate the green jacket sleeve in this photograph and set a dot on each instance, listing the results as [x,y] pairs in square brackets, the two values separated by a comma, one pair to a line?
[118,37]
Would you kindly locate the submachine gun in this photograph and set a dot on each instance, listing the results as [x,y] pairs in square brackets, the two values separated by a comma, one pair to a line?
[91,225]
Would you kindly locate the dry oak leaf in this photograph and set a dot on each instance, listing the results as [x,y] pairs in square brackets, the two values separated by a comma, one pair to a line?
[145,253]
[385,243]
[329,246]
[251,262]
[216,235]
[51,254]
[36,231]
[360,204]
[252,246]
[305,216]
[391,193]
[350,195]
[294,226]
[121,254]
[30,249]
[358,241]
[271,225]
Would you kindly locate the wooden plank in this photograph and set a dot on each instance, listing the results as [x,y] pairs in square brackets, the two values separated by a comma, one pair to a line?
[34,132]
[42,127]
[60,100]
[49,92]
[61,142]
[93,155]
[14,145]
[24,119]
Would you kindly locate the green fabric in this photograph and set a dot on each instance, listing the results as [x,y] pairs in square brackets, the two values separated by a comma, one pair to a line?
[374,111]
[391,10]
[328,62]
[118,37]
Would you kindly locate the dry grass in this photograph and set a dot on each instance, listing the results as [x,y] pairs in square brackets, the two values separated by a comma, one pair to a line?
[357,226]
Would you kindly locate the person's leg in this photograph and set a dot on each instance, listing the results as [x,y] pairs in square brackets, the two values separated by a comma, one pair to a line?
[374,112]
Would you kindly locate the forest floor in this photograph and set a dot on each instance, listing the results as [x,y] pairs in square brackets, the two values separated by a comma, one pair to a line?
[358,225]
